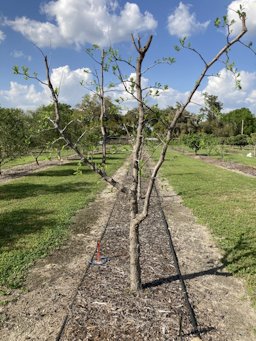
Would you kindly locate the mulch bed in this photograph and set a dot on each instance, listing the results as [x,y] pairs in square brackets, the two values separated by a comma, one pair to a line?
[105,309]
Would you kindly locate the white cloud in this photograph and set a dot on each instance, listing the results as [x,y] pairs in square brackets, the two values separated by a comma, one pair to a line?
[249,7]
[119,94]
[2,36]
[84,21]
[28,97]
[69,83]
[170,97]
[183,23]
[23,96]
[42,34]
[224,88]
[20,54]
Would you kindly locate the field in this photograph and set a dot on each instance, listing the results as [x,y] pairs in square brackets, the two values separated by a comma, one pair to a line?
[36,212]
[225,153]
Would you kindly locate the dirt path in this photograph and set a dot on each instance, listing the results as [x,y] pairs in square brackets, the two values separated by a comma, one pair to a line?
[104,309]
[232,166]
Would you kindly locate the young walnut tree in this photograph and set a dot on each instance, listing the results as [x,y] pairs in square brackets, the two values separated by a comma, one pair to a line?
[138,216]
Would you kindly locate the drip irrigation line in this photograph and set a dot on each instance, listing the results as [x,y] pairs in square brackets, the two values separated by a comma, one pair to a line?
[176,264]
[177,267]
[66,318]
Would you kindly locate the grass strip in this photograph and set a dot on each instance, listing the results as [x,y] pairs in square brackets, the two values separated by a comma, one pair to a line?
[35,213]
[28,159]
[224,201]
[226,153]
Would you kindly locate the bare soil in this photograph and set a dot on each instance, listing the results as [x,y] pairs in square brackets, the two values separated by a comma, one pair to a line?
[99,306]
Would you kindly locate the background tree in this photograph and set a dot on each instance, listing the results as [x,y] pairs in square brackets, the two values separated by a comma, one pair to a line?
[194,142]
[253,141]
[89,112]
[240,140]
[211,113]
[241,121]
[13,137]
[98,88]
[43,138]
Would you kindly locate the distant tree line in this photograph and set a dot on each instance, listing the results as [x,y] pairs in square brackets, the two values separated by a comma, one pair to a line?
[32,133]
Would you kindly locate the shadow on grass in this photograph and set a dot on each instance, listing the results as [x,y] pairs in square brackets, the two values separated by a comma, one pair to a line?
[18,223]
[241,257]
[61,170]
[25,190]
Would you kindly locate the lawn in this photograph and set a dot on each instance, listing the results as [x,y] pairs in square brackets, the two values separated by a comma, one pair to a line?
[35,213]
[27,159]
[226,203]
[226,153]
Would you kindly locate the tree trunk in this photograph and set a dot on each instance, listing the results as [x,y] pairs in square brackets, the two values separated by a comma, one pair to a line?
[103,110]
[135,273]
[135,270]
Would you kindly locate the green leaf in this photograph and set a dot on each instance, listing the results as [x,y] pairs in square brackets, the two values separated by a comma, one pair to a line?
[56,91]
[95,46]
[217,22]
[182,41]
[15,69]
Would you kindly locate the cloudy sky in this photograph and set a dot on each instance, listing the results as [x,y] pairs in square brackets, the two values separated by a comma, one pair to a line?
[63,29]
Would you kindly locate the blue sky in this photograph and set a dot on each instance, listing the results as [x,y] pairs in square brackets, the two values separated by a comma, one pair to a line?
[64,28]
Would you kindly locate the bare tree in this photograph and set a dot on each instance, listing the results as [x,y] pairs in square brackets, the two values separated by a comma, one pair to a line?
[99,83]
[137,216]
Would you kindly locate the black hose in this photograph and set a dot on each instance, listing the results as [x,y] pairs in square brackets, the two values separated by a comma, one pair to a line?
[177,267]
[66,318]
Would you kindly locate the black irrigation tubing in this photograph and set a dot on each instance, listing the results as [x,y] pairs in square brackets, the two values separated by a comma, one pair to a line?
[177,267]
[66,318]
[176,264]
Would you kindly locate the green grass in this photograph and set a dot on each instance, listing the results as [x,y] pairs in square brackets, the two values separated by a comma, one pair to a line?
[232,154]
[27,159]
[226,203]
[35,213]
[240,158]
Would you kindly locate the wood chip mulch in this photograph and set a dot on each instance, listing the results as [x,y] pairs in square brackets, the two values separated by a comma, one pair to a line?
[104,307]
